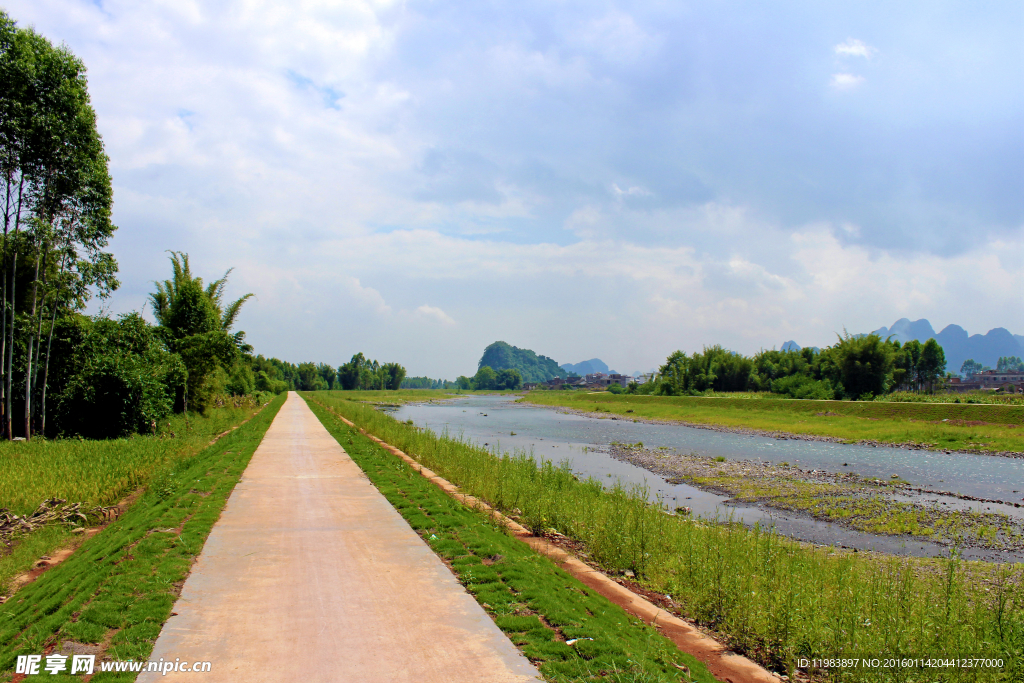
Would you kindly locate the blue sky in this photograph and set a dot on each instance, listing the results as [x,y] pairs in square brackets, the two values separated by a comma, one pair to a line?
[415,180]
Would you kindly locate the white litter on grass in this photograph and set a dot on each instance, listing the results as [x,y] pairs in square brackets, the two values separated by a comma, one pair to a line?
[576,640]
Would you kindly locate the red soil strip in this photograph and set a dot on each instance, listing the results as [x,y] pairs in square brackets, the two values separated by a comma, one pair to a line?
[723,664]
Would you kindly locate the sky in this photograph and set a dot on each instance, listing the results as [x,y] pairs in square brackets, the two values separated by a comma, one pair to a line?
[415,180]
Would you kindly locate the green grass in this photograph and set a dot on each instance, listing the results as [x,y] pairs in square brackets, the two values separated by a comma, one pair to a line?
[535,603]
[969,397]
[123,582]
[27,549]
[93,472]
[988,397]
[102,472]
[772,598]
[1001,428]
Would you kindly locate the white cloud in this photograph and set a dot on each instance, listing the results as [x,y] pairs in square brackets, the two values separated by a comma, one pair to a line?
[366,296]
[632,191]
[434,313]
[625,172]
[854,48]
[846,81]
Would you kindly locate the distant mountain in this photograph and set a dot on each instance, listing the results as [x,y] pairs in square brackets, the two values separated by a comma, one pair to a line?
[793,346]
[955,342]
[532,367]
[586,367]
[904,330]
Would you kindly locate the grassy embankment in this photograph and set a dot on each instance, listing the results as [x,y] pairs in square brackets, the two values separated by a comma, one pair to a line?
[94,473]
[983,397]
[535,603]
[772,598]
[118,588]
[969,427]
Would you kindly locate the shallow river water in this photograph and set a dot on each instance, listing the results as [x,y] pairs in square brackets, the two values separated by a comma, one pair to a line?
[551,435]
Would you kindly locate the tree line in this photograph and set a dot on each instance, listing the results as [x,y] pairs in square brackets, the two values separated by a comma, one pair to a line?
[970,368]
[489,379]
[57,199]
[65,373]
[855,367]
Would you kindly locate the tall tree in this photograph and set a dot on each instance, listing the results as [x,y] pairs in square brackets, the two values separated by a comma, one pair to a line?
[486,378]
[351,373]
[971,367]
[393,375]
[863,364]
[1009,364]
[328,374]
[54,173]
[932,364]
[197,326]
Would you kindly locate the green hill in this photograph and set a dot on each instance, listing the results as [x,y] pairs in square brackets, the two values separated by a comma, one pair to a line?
[533,368]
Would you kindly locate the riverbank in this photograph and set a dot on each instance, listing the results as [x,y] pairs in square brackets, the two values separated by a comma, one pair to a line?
[889,507]
[775,598]
[895,425]
[568,631]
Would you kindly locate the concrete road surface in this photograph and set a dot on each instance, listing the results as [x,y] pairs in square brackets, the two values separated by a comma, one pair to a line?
[311,575]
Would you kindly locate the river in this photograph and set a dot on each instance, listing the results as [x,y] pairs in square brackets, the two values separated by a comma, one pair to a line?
[503,425]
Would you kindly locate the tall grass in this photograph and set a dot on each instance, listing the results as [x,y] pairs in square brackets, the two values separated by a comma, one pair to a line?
[969,397]
[774,599]
[101,472]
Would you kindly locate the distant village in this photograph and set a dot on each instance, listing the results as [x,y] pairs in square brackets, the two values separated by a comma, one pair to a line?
[596,380]
[1010,382]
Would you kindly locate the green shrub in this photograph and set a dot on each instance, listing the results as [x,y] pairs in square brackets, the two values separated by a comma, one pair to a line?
[112,377]
[119,394]
[804,386]
[240,381]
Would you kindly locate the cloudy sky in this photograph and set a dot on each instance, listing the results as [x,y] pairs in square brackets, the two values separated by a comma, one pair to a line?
[417,179]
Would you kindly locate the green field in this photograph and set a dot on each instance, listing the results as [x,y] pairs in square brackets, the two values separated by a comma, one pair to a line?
[942,426]
[769,597]
[535,603]
[95,473]
[119,586]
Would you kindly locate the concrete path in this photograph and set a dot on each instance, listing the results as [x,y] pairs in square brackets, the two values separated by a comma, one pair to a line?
[311,575]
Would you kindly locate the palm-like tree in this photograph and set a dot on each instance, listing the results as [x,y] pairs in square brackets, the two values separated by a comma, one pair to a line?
[185,307]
